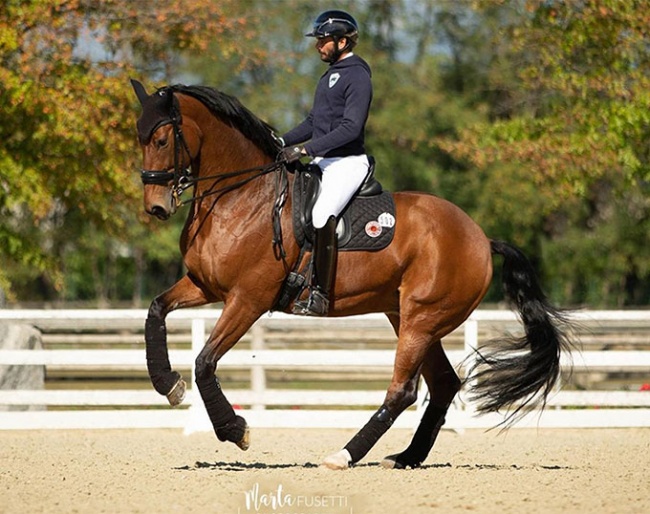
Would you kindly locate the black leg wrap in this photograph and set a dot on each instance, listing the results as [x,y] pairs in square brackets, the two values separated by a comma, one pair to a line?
[219,409]
[366,438]
[160,370]
[233,431]
[423,439]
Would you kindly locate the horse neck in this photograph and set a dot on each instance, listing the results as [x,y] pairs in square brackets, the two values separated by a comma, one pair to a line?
[225,150]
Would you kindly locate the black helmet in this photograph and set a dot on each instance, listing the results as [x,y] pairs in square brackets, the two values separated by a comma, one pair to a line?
[334,23]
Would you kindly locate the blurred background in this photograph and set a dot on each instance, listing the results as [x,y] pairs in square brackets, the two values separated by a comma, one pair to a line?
[533,116]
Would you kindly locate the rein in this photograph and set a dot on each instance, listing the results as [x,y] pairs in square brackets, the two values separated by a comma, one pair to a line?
[183,179]
[187,181]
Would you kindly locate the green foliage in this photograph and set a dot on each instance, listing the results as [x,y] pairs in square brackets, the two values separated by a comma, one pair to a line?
[68,192]
[532,115]
[579,125]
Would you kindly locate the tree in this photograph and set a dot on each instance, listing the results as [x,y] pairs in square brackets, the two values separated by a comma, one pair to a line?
[574,126]
[67,145]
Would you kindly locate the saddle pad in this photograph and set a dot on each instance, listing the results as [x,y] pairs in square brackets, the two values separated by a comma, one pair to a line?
[368,223]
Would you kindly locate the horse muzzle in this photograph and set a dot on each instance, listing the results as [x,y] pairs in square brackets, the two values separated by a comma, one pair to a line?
[159,202]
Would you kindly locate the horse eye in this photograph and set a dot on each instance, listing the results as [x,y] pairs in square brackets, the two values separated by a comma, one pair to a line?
[162,142]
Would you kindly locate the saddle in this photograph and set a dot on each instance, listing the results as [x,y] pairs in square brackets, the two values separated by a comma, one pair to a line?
[367,223]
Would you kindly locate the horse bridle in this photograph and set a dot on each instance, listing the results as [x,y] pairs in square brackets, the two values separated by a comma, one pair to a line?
[182,175]
[183,179]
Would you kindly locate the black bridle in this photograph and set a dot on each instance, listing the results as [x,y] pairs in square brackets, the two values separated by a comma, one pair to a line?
[182,179]
[181,176]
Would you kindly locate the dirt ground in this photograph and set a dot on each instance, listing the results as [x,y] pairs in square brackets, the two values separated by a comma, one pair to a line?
[164,471]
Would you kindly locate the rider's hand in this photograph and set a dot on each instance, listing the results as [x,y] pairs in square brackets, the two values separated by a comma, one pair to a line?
[292,153]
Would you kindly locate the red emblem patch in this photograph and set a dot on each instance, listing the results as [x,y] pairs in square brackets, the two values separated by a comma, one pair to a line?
[373,229]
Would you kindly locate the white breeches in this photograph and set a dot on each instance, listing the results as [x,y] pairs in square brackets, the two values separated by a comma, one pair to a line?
[342,177]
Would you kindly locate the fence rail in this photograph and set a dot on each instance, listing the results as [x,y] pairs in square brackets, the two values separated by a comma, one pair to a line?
[281,407]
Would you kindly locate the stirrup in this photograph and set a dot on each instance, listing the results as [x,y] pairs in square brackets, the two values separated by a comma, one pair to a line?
[316,305]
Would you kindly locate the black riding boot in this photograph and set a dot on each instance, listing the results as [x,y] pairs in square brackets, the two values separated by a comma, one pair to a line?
[325,247]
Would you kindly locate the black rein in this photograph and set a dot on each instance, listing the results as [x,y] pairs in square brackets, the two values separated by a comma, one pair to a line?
[182,179]
[182,175]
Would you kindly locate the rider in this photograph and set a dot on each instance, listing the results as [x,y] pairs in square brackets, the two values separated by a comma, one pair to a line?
[333,136]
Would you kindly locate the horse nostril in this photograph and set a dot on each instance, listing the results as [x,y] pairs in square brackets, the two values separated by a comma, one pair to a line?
[159,212]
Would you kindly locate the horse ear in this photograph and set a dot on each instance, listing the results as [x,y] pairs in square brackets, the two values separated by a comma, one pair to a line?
[140,91]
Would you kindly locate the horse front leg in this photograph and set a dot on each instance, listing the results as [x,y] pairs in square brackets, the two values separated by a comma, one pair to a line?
[185,293]
[231,326]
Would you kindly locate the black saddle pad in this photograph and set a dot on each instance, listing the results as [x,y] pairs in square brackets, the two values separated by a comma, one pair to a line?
[367,223]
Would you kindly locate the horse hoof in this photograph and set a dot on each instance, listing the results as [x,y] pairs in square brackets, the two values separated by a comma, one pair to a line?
[176,396]
[394,462]
[339,460]
[245,442]
[390,462]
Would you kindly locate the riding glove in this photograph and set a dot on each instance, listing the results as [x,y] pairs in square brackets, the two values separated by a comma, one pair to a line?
[292,153]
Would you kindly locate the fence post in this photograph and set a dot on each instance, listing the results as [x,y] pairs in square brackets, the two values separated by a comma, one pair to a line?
[258,374]
[197,418]
[470,344]
[198,339]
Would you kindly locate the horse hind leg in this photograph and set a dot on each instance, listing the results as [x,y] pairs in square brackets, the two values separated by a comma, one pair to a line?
[401,393]
[400,396]
[443,384]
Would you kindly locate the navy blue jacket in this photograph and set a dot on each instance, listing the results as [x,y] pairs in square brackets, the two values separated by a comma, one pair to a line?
[337,121]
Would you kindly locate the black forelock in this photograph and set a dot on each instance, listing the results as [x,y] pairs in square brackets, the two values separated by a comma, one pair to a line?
[229,109]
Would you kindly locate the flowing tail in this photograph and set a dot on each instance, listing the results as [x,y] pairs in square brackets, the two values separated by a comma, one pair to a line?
[517,374]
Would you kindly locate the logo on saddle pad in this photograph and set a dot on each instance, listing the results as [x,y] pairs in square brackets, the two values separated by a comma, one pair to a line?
[384,220]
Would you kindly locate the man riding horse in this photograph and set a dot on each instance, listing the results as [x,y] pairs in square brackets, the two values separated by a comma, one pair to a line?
[335,129]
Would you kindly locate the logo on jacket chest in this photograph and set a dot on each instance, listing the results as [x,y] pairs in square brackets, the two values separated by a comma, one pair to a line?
[334,78]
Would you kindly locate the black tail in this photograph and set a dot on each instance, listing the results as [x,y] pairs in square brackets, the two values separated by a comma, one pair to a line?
[518,374]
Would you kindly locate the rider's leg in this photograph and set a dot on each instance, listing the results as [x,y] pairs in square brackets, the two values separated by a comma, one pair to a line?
[324,268]
[342,177]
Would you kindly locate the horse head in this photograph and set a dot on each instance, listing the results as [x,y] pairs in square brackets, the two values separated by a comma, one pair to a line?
[170,142]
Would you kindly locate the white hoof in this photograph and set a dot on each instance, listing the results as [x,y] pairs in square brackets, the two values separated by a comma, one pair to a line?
[176,396]
[388,463]
[339,460]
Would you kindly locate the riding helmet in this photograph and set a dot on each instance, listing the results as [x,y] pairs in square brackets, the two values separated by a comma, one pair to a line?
[334,23]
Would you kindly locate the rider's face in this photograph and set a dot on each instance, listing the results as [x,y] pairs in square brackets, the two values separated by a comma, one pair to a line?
[325,47]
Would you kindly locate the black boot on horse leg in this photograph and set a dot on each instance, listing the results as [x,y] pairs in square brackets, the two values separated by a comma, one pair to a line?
[227,425]
[443,384]
[399,397]
[325,248]
[165,381]
[422,442]
[362,442]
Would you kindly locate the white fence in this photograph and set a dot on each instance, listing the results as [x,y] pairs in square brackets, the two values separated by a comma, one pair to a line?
[312,408]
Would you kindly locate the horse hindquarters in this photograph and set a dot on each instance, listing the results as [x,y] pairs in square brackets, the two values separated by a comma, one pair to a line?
[440,281]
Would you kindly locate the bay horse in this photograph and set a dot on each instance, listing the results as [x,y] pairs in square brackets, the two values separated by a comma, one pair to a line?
[429,279]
